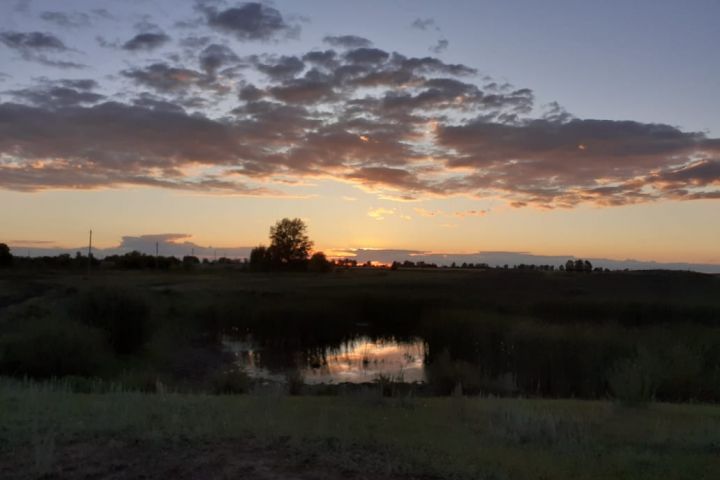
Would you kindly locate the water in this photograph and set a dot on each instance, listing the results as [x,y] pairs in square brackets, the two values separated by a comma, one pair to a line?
[362,359]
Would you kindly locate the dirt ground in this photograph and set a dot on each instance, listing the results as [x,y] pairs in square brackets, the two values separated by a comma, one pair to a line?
[103,459]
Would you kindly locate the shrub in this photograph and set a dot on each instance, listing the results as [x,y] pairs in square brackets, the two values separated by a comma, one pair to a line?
[295,382]
[122,317]
[635,380]
[231,382]
[319,263]
[52,349]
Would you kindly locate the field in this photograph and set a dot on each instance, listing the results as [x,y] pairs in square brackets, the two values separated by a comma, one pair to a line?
[529,375]
[126,435]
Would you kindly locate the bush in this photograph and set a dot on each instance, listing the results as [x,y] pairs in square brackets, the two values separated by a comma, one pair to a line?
[635,380]
[122,317]
[295,382]
[319,263]
[51,349]
[447,376]
[231,382]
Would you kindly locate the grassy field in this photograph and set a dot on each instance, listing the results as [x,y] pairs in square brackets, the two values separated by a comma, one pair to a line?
[542,375]
[48,430]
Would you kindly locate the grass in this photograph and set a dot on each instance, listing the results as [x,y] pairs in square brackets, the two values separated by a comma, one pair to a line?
[636,336]
[456,437]
[546,334]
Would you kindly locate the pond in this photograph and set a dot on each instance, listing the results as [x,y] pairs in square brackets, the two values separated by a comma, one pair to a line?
[359,360]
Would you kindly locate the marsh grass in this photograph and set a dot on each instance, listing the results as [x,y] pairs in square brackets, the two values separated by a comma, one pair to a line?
[463,437]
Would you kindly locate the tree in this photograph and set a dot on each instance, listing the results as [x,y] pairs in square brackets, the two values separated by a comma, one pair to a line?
[6,257]
[289,243]
[260,259]
[319,263]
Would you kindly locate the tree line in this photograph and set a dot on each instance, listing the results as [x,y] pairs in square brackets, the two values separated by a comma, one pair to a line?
[289,249]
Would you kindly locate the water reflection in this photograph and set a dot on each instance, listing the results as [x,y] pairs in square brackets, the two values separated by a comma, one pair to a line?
[362,359]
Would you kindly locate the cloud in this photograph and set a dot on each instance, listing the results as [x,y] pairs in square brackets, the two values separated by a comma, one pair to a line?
[249,21]
[167,244]
[215,56]
[380,213]
[279,68]
[34,46]
[367,56]
[347,41]
[172,244]
[67,19]
[28,41]
[401,127]
[424,24]
[50,96]
[114,144]
[146,42]
[440,46]
[168,79]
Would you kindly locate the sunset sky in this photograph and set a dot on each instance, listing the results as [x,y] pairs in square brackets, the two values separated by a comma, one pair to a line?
[556,128]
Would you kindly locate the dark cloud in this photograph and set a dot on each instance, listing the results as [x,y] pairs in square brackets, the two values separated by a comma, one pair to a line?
[56,96]
[280,68]
[313,88]
[440,46]
[249,21]
[250,93]
[702,173]
[325,58]
[146,41]
[28,41]
[34,46]
[215,56]
[79,83]
[164,78]
[114,144]
[67,19]
[367,55]
[424,23]
[347,41]
[402,126]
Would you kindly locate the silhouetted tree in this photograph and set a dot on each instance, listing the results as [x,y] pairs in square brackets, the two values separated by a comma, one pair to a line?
[319,263]
[587,266]
[569,266]
[260,259]
[189,261]
[289,243]
[6,257]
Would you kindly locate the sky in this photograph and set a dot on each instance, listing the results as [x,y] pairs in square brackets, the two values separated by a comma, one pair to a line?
[553,129]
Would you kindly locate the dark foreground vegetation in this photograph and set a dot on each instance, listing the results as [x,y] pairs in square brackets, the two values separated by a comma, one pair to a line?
[138,356]
[635,336]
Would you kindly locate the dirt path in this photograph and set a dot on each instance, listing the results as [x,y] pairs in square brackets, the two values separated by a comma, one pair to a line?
[181,460]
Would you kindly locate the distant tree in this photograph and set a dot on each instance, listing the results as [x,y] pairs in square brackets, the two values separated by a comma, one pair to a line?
[289,243]
[395,265]
[6,257]
[569,266]
[190,261]
[587,266]
[319,263]
[579,265]
[260,259]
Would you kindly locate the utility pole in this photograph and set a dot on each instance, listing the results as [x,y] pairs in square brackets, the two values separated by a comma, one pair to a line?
[89,253]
